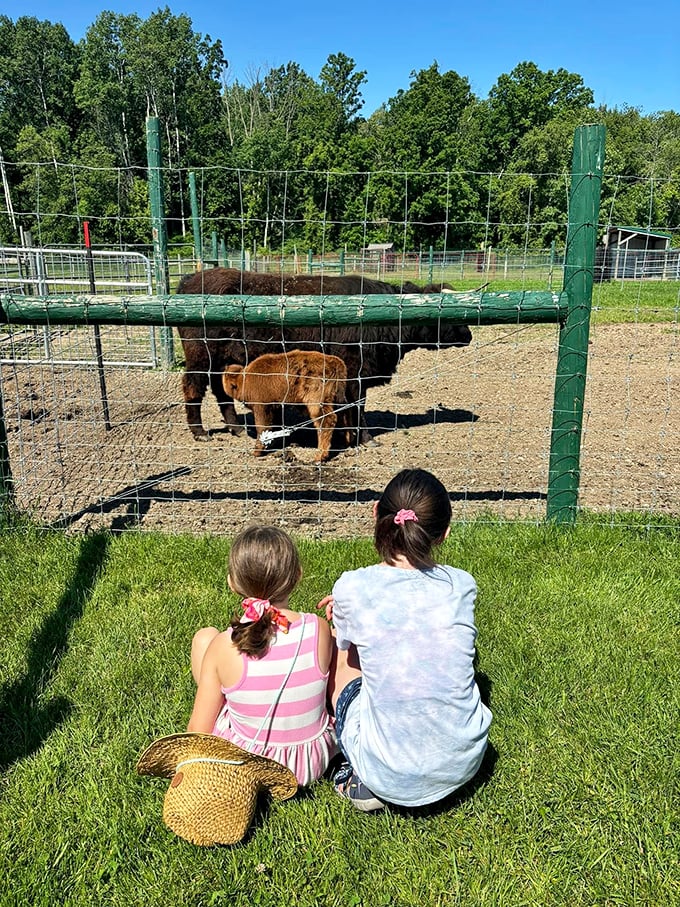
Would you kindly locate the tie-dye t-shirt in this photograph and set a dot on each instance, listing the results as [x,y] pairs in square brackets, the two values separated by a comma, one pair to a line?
[418,729]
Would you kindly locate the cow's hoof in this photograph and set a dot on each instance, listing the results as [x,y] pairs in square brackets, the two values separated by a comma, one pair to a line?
[201,435]
[235,430]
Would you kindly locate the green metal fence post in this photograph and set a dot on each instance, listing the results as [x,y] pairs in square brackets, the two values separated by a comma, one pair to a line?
[158,227]
[213,247]
[196,222]
[572,356]
[551,268]
[342,262]
[6,481]
[430,268]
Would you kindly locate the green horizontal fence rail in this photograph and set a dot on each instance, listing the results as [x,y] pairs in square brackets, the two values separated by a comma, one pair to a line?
[571,308]
[293,311]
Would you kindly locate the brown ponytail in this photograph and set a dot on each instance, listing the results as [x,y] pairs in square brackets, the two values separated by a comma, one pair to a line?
[422,493]
[253,638]
[263,563]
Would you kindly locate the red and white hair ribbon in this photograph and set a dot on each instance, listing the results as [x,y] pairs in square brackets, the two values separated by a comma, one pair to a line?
[255,608]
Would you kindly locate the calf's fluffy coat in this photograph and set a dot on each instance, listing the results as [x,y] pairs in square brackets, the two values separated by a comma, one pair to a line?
[306,378]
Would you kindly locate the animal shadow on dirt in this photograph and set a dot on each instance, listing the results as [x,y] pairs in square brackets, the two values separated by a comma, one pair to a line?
[379,422]
[136,498]
[382,421]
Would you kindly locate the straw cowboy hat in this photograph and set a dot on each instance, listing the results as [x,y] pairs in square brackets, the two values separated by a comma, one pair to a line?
[214,787]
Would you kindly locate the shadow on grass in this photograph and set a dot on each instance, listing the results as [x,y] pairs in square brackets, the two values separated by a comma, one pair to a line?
[26,720]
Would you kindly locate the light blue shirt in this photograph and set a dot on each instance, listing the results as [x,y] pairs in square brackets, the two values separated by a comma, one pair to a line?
[418,729]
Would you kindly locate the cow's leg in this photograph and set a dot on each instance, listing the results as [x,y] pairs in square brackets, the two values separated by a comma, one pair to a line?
[194,385]
[262,416]
[365,437]
[226,404]
[356,420]
[324,418]
[344,424]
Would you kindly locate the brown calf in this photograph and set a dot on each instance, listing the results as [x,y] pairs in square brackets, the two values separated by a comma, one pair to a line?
[303,377]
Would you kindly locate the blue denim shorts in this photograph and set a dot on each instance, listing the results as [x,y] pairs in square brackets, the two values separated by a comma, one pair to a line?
[346,697]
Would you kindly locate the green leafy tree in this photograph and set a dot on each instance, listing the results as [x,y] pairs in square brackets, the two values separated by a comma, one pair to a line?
[423,122]
[161,67]
[341,80]
[46,190]
[525,99]
[641,185]
[106,91]
[422,132]
[38,64]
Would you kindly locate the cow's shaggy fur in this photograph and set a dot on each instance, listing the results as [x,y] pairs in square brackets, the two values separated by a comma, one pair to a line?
[302,377]
[371,353]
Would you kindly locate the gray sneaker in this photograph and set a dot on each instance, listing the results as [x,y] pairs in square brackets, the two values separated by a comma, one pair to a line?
[354,790]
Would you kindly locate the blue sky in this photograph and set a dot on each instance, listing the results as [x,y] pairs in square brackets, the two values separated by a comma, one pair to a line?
[626,52]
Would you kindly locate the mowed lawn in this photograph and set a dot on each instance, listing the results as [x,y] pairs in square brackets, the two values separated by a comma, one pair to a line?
[577,802]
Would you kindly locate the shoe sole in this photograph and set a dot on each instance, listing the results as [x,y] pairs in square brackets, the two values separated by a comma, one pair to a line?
[364,806]
[367,806]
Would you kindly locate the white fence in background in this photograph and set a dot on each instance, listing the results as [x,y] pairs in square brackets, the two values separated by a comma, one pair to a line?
[33,271]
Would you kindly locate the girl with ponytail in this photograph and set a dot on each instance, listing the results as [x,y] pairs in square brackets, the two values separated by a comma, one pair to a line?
[262,682]
[409,718]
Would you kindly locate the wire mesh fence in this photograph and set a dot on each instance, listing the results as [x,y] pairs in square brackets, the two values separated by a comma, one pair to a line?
[479,416]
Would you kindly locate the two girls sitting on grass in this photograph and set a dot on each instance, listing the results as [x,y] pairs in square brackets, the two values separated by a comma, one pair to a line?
[408,714]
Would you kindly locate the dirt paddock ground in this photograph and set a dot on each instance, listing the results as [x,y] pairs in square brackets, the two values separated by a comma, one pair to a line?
[478,417]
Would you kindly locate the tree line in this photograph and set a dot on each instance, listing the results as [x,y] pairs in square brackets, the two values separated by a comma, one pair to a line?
[284,159]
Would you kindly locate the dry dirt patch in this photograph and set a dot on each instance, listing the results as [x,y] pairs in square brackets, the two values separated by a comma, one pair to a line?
[479,418]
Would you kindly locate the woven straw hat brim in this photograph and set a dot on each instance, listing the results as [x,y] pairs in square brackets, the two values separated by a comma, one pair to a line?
[163,755]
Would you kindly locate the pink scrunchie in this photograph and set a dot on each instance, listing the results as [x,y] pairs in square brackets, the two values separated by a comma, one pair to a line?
[255,608]
[403,516]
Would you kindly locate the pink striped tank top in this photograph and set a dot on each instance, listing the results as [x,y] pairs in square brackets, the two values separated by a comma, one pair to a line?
[299,731]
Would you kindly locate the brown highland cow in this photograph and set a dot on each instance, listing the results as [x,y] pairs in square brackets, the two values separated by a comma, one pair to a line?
[371,353]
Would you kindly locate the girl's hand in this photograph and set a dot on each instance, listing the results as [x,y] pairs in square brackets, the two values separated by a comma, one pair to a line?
[327,603]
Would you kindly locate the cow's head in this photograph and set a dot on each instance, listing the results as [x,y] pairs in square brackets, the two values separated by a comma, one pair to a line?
[232,381]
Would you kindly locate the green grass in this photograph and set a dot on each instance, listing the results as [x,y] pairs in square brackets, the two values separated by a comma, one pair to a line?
[614,302]
[577,803]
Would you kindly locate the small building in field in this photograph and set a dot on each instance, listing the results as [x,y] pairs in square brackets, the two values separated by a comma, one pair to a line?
[635,252]
[382,253]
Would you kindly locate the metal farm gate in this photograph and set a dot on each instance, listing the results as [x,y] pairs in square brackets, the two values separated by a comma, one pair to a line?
[32,271]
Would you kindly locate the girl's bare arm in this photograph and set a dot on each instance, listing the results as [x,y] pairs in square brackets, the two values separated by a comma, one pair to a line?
[209,697]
